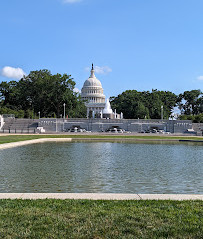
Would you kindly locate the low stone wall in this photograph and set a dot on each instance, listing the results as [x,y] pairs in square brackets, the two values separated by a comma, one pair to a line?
[133,125]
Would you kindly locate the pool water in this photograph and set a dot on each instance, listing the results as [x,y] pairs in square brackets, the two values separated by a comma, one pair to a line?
[102,167]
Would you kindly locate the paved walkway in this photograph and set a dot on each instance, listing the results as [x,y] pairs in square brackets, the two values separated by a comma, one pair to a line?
[99,196]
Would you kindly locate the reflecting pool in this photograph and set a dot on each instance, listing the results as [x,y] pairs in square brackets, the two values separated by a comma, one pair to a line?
[103,167]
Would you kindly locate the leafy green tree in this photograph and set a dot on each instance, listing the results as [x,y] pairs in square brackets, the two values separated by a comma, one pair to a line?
[43,92]
[142,111]
[195,118]
[190,102]
[144,104]
[199,105]
[17,113]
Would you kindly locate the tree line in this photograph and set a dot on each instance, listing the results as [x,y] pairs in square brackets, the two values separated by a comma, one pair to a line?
[40,91]
[148,105]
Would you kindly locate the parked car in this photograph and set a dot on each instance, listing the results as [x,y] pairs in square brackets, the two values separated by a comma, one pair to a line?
[154,131]
[75,130]
[115,130]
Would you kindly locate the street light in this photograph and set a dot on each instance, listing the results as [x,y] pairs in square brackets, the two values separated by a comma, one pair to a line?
[64,111]
[64,114]
[162,113]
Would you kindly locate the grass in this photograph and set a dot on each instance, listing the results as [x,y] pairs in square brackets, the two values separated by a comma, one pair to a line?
[16,138]
[100,219]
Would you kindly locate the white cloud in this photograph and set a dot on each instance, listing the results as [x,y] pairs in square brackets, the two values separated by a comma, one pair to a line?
[100,69]
[76,90]
[200,78]
[11,72]
[71,1]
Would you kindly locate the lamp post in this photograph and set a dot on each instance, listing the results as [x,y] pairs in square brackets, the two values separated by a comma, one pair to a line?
[64,111]
[162,113]
[64,115]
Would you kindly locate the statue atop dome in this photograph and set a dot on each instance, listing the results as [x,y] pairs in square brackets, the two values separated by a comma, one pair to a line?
[92,72]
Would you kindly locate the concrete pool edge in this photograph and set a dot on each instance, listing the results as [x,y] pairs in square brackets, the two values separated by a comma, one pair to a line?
[44,140]
[101,196]
[33,141]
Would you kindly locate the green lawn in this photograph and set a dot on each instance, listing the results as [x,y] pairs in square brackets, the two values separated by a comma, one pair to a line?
[16,138]
[100,219]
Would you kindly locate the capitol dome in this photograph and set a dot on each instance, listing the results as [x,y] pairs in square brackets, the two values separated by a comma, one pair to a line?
[93,93]
[92,90]
[92,82]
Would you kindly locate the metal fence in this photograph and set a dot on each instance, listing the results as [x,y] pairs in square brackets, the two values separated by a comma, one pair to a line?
[18,131]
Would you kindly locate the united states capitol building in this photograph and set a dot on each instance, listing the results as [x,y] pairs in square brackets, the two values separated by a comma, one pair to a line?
[100,116]
[93,93]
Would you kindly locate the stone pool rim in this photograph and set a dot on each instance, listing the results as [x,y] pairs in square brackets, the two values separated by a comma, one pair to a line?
[44,140]
[100,196]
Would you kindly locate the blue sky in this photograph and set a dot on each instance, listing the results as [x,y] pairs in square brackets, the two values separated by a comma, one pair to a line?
[135,44]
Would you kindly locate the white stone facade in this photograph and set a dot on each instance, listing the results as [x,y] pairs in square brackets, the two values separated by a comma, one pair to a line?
[92,92]
[1,121]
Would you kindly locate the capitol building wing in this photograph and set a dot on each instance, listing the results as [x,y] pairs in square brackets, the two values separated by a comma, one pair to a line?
[92,92]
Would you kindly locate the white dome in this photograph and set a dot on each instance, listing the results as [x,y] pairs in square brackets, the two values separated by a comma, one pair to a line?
[92,82]
[93,95]
[92,90]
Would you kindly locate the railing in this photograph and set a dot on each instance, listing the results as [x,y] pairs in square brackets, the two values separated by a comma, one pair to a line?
[18,131]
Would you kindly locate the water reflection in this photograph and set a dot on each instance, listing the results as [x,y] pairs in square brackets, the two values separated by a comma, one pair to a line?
[102,167]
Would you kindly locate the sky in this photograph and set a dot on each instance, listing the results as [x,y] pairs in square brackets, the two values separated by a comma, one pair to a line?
[134,44]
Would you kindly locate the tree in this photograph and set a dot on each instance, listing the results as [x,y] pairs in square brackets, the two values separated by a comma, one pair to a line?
[144,104]
[142,111]
[199,105]
[190,102]
[44,92]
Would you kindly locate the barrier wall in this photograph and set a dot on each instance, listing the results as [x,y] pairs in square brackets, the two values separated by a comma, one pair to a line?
[101,125]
